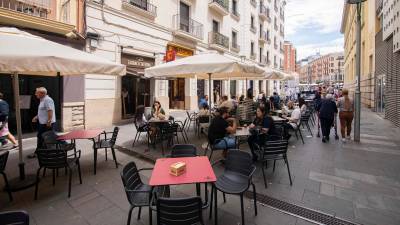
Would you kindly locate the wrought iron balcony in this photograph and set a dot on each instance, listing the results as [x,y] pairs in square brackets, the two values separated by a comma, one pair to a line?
[142,7]
[218,41]
[187,28]
[282,16]
[220,6]
[263,60]
[38,8]
[263,37]
[235,14]
[235,47]
[253,56]
[263,12]
[282,32]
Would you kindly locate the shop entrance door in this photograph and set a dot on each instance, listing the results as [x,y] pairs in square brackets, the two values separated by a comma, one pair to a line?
[176,93]
[380,93]
[135,91]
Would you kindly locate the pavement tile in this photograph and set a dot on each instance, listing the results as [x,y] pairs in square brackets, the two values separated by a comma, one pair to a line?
[327,189]
[331,205]
[329,179]
[93,206]
[373,216]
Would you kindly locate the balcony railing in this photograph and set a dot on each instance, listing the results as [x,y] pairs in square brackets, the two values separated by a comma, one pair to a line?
[223,3]
[275,46]
[253,29]
[189,26]
[235,47]
[263,60]
[235,13]
[218,39]
[263,12]
[263,36]
[39,8]
[253,56]
[282,32]
[143,5]
[253,3]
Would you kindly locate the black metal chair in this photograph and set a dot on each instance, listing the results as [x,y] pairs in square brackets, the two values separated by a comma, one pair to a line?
[106,143]
[181,129]
[139,131]
[272,150]
[202,122]
[14,218]
[56,159]
[167,133]
[235,180]
[212,148]
[192,119]
[138,194]
[183,150]
[305,120]
[3,163]
[50,141]
[179,211]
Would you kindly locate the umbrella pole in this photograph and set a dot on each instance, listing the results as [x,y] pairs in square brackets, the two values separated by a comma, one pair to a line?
[22,182]
[209,92]
[21,163]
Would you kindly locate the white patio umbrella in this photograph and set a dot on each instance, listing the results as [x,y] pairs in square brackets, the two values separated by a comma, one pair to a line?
[24,53]
[274,74]
[210,65]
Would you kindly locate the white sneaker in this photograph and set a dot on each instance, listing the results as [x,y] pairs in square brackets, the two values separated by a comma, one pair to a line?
[344,140]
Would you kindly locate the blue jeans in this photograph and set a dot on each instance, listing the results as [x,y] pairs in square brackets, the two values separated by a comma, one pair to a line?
[41,129]
[230,141]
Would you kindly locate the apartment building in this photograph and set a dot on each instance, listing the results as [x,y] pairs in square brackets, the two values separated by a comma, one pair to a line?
[327,69]
[368,30]
[143,33]
[289,64]
[387,73]
[61,21]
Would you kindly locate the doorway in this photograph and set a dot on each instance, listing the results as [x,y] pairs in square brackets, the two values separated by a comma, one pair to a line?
[176,93]
[380,94]
[28,101]
[135,91]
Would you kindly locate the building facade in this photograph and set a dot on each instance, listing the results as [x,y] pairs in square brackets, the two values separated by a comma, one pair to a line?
[141,33]
[327,69]
[387,61]
[289,64]
[58,21]
[368,31]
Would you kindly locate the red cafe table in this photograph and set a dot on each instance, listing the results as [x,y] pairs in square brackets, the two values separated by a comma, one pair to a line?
[198,170]
[82,134]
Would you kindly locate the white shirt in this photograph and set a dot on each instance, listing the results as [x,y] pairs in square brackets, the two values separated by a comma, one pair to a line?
[45,105]
[296,114]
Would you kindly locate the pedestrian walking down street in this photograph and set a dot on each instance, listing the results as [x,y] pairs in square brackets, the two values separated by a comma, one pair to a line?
[46,117]
[327,112]
[346,108]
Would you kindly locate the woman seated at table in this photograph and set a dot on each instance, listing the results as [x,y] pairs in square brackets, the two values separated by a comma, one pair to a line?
[263,126]
[293,120]
[157,112]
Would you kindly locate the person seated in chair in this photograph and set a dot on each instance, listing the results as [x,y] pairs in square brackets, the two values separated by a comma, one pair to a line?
[262,127]
[220,128]
[157,111]
[293,120]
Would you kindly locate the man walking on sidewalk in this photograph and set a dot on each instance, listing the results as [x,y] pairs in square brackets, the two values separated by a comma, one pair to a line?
[46,116]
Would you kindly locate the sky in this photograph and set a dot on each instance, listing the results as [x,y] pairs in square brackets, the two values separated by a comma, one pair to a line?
[314,26]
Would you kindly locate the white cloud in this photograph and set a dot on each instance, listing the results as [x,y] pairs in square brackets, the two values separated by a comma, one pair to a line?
[323,16]
[323,48]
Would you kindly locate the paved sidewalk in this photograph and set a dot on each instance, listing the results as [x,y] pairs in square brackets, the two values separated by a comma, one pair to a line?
[356,181]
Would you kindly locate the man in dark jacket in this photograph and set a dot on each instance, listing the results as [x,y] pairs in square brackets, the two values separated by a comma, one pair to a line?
[327,111]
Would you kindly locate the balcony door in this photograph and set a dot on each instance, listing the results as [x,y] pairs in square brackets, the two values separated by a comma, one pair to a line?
[184,16]
[215,26]
[140,4]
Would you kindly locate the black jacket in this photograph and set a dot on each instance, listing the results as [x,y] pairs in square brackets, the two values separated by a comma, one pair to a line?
[327,109]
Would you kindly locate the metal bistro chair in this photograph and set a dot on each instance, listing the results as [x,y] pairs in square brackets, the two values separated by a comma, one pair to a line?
[106,143]
[139,131]
[212,147]
[179,211]
[305,120]
[57,159]
[272,150]
[183,150]
[192,119]
[139,194]
[235,180]
[202,122]
[3,163]
[14,218]
[180,128]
